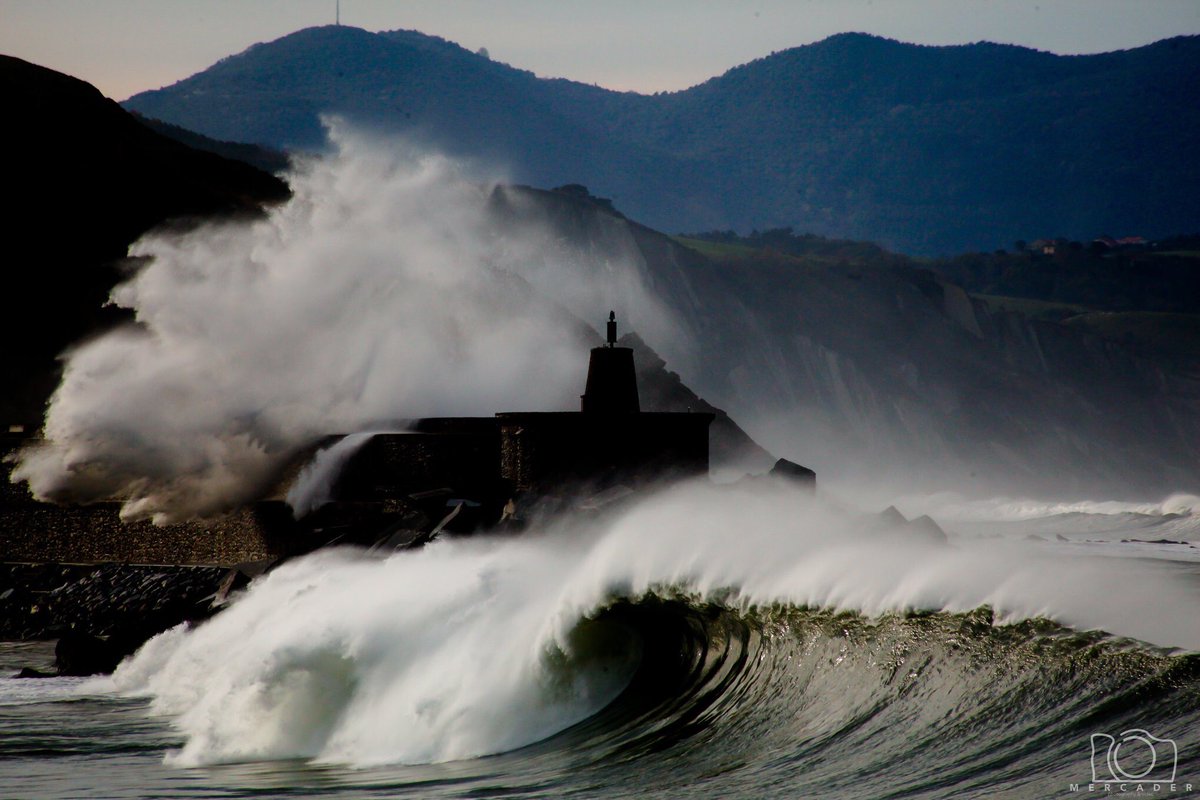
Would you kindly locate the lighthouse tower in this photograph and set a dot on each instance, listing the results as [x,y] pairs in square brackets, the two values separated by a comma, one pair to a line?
[611,382]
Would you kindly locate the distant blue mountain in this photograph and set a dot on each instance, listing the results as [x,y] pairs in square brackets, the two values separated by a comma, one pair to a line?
[925,149]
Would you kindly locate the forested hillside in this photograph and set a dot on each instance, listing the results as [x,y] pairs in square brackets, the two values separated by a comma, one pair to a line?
[928,150]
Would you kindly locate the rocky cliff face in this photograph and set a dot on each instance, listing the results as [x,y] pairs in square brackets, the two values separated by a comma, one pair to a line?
[894,374]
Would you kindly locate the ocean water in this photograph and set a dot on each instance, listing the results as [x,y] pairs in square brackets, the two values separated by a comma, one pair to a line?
[704,642]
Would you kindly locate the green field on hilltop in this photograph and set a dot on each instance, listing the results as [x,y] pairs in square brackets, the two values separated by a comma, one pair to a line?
[716,250]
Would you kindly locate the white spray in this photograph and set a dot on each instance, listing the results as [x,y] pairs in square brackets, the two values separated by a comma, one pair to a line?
[382,291]
[313,487]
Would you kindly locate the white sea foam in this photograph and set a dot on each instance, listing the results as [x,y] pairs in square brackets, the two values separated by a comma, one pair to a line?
[953,506]
[455,651]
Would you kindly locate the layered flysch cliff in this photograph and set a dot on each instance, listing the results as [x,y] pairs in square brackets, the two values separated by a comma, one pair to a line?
[892,373]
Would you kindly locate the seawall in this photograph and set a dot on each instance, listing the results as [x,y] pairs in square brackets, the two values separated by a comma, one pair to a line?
[33,532]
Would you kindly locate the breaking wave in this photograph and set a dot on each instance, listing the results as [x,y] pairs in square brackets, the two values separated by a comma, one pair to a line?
[701,632]
[953,506]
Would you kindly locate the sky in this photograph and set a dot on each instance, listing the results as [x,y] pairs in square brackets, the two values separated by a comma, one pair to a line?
[127,46]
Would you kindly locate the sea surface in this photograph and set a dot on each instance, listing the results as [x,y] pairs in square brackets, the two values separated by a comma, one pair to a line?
[728,642]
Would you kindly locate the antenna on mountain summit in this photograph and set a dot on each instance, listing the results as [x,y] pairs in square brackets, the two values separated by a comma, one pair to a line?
[612,328]
[337,14]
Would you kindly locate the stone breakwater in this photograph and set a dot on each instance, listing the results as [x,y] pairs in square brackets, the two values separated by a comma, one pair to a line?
[33,532]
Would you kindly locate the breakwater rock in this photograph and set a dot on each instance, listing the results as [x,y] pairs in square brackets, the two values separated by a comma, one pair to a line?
[101,612]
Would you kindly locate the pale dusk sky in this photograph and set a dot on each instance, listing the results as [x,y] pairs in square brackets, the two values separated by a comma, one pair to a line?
[127,46]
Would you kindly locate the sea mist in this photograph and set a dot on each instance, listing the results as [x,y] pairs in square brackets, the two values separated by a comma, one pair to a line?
[386,289]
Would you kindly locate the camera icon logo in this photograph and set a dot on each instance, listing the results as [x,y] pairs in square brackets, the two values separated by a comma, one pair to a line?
[1137,756]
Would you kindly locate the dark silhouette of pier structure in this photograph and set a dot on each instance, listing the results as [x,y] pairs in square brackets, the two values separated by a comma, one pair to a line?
[488,461]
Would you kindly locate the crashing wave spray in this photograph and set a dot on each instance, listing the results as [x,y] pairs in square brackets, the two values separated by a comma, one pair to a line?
[313,487]
[384,290]
[482,645]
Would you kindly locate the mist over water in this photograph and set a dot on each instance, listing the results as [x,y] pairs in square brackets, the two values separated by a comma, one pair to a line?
[384,290]
[953,506]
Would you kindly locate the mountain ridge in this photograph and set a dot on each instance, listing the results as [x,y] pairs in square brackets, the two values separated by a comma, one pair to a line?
[926,149]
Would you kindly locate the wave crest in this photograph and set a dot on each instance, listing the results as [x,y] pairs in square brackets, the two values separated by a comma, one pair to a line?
[486,645]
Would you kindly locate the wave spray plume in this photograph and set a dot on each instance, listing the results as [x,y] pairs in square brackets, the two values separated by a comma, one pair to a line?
[386,289]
